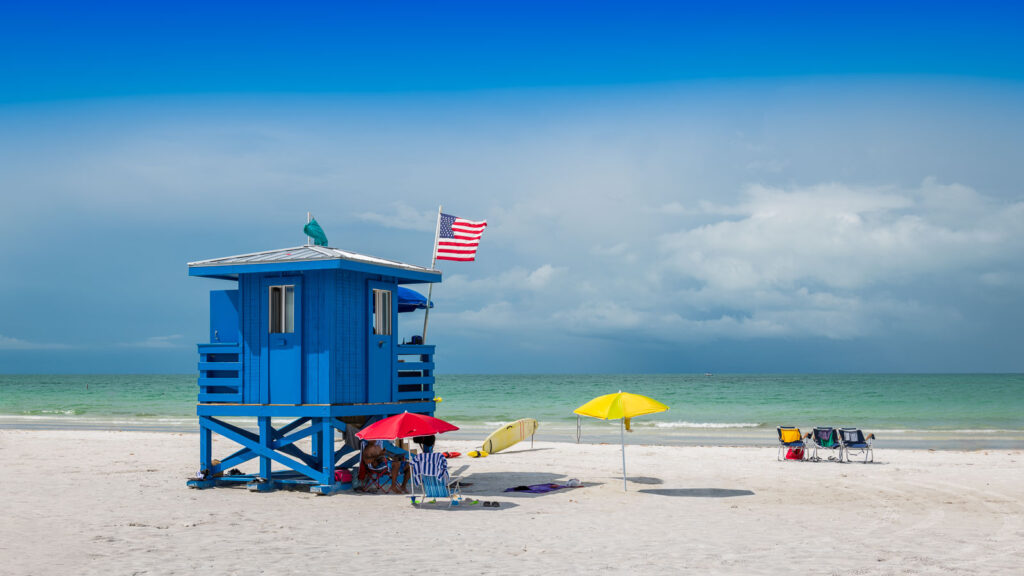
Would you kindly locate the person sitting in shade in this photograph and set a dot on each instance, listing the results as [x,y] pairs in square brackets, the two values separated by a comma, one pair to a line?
[379,453]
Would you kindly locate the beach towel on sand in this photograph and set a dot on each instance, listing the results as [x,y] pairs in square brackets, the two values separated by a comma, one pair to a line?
[537,488]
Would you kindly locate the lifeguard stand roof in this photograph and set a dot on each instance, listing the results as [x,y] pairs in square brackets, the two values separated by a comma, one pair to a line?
[310,258]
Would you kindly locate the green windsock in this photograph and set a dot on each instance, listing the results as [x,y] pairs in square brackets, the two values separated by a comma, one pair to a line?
[314,231]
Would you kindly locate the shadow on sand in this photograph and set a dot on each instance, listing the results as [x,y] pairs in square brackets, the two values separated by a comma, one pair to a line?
[697,492]
[467,505]
[643,480]
[487,484]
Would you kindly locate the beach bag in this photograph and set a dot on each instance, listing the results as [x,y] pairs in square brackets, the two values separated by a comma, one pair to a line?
[795,454]
[342,476]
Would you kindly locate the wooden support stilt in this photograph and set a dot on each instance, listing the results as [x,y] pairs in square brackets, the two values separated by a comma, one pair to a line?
[205,459]
[265,483]
[326,449]
[205,447]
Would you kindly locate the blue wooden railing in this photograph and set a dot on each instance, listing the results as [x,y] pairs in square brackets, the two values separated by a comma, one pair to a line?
[415,375]
[220,378]
[220,372]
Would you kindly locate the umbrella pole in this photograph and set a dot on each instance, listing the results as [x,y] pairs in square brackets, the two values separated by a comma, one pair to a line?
[622,434]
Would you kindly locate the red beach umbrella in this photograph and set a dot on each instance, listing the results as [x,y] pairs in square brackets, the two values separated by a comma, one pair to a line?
[405,425]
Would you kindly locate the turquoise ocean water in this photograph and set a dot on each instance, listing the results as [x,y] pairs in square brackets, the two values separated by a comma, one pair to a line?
[977,411]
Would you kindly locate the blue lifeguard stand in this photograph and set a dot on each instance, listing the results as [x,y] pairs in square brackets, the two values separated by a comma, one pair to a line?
[307,338]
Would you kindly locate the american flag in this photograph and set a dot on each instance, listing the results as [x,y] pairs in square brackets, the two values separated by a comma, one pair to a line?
[458,239]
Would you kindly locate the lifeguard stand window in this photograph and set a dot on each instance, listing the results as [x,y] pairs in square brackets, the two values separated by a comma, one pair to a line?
[282,309]
[382,312]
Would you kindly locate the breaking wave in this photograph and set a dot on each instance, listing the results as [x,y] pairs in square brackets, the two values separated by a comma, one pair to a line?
[57,412]
[704,424]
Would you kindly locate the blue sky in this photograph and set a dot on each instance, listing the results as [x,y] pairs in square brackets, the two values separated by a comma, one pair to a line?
[729,188]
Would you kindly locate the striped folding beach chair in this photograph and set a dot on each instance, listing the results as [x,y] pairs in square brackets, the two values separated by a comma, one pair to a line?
[430,474]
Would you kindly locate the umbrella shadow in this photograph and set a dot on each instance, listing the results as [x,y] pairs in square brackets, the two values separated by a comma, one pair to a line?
[644,480]
[483,484]
[698,492]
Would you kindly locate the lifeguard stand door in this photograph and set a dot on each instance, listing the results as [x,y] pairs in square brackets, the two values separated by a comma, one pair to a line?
[282,339]
[379,342]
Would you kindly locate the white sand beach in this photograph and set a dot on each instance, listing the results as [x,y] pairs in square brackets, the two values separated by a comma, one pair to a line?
[91,502]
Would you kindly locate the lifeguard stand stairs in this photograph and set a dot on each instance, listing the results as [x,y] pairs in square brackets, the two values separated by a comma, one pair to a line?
[307,338]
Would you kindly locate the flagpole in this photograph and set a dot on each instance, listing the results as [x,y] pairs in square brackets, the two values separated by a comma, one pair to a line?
[309,218]
[433,261]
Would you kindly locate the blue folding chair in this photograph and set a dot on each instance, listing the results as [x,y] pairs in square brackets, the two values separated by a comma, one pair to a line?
[854,439]
[826,438]
[790,438]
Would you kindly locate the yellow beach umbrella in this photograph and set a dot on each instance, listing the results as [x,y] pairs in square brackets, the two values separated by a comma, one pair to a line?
[621,406]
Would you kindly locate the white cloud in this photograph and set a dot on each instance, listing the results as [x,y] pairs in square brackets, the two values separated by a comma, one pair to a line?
[602,317]
[510,281]
[835,236]
[157,342]
[830,261]
[819,260]
[542,277]
[508,320]
[616,250]
[621,253]
[673,208]
[9,343]
[403,216]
